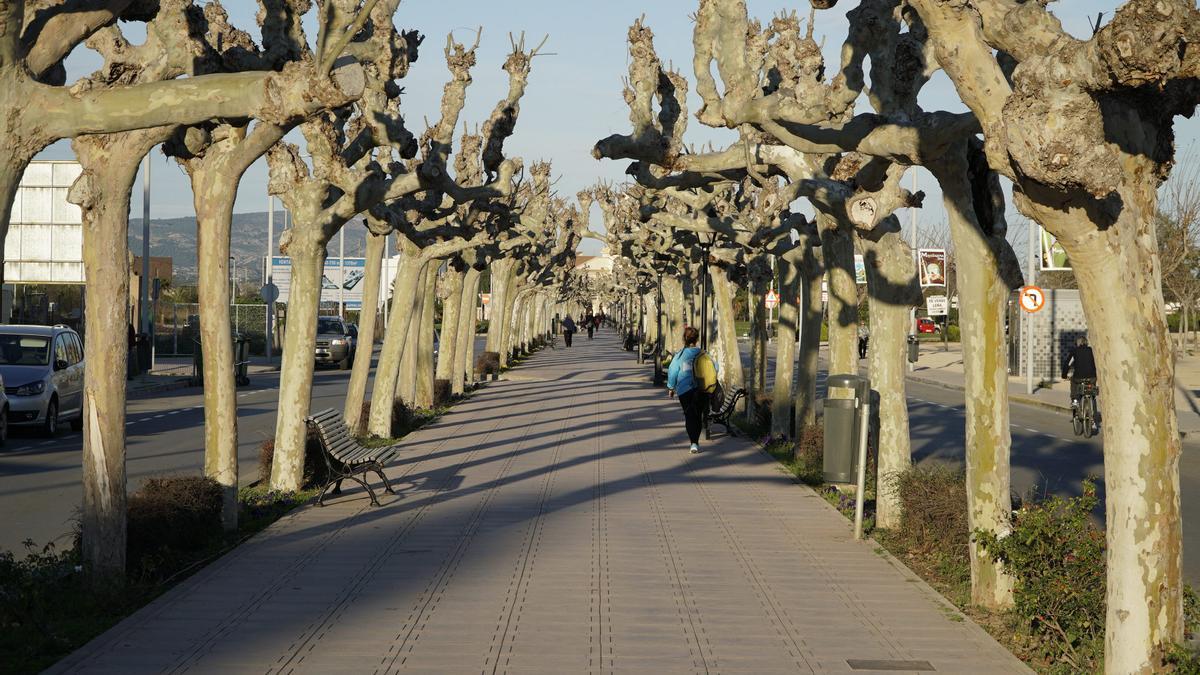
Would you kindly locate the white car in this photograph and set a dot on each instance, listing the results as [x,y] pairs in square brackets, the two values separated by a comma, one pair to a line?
[42,371]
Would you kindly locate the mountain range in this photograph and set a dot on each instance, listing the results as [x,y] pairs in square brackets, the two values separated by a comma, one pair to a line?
[176,238]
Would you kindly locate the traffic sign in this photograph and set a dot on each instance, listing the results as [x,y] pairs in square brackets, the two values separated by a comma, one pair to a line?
[269,292]
[485,298]
[771,300]
[937,305]
[1032,299]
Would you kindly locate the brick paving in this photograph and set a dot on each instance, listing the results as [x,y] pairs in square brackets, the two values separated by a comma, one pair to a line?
[554,523]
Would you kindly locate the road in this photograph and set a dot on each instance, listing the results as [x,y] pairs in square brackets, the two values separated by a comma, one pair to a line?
[40,479]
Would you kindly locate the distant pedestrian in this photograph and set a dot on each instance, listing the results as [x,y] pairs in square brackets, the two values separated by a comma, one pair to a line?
[864,339]
[688,377]
[590,322]
[568,327]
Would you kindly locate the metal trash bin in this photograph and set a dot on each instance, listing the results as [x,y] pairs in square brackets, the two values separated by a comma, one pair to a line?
[241,359]
[842,424]
[914,349]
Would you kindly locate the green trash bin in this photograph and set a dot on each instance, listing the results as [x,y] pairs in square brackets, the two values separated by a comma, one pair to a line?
[842,423]
[241,359]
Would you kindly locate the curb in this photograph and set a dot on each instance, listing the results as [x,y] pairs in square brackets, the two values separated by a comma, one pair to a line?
[179,383]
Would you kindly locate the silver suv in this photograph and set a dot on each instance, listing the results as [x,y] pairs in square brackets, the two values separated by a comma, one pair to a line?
[335,344]
[42,367]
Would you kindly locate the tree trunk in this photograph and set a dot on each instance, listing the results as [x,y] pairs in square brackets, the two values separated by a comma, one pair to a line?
[782,420]
[982,303]
[214,227]
[811,273]
[893,287]
[451,308]
[506,318]
[307,252]
[387,372]
[423,395]
[730,360]
[356,391]
[102,192]
[673,309]
[837,248]
[12,167]
[759,283]
[1118,272]
[498,275]
[464,358]
[406,387]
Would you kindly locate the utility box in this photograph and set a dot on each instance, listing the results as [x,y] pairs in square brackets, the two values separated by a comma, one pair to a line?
[842,420]
[914,349]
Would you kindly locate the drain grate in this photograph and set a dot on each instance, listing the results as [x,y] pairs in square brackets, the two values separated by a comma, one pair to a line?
[891,664]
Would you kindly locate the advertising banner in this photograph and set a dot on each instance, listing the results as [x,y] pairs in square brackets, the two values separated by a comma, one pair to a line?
[1053,256]
[337,282]
[932,266]
[860,271]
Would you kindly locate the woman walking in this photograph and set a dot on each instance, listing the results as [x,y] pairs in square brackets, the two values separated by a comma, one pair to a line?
[683,380]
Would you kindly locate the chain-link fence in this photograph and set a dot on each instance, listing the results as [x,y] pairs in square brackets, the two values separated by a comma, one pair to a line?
[177,326]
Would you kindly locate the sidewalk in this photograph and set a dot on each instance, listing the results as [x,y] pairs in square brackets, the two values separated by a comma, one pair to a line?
[555,524]
[944,367]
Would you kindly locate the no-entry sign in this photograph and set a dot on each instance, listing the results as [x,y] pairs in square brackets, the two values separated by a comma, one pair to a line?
[485,298]
[1032,299]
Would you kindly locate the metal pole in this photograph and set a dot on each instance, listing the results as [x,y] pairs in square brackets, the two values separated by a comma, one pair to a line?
[1026,316]
[268,277]
[863,428]
[342,272]
[912,214]
[144,282]
[383,292]
[704,303]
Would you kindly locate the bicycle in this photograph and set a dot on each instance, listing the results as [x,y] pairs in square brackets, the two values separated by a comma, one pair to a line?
[1084,416]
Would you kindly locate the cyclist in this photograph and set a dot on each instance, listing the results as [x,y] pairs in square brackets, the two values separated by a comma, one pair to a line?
[1082,366]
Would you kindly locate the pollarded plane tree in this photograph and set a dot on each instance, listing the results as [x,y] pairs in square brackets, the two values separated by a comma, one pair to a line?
[349,174]
[812,117]
[549,246]
[217,154]
[1084,129]
[40,108]
[179,43]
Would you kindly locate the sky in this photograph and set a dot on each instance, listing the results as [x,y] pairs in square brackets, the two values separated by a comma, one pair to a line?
[574,94]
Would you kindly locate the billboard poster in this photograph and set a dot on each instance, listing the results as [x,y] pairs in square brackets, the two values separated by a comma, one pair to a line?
[44,243]
[860,271]
[337,282]
[1053,255]
[932,266]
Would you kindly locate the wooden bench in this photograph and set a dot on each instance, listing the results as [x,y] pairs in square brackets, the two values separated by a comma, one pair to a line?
[346,457]
[723,413]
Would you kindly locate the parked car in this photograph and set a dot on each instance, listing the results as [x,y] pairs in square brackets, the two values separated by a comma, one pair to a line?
[335,346]
[927,325]
[42,371]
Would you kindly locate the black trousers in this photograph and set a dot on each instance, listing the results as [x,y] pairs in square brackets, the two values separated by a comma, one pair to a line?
[693,403]
[590,329]
[567,337]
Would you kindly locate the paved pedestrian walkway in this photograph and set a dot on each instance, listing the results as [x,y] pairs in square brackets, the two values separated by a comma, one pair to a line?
[554,523]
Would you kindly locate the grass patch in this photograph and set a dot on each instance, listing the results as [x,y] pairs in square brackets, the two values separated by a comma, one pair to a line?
[48,608]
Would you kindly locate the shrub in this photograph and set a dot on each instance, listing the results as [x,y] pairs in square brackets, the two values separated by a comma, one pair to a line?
[441,393]
[487,363]
[315,469]
[933,509]
[1056,556]
[953,333]
[402,417]
[173,514]
[809,454]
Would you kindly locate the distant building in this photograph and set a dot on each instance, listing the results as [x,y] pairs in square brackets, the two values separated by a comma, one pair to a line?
[161,267]
[595,264]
